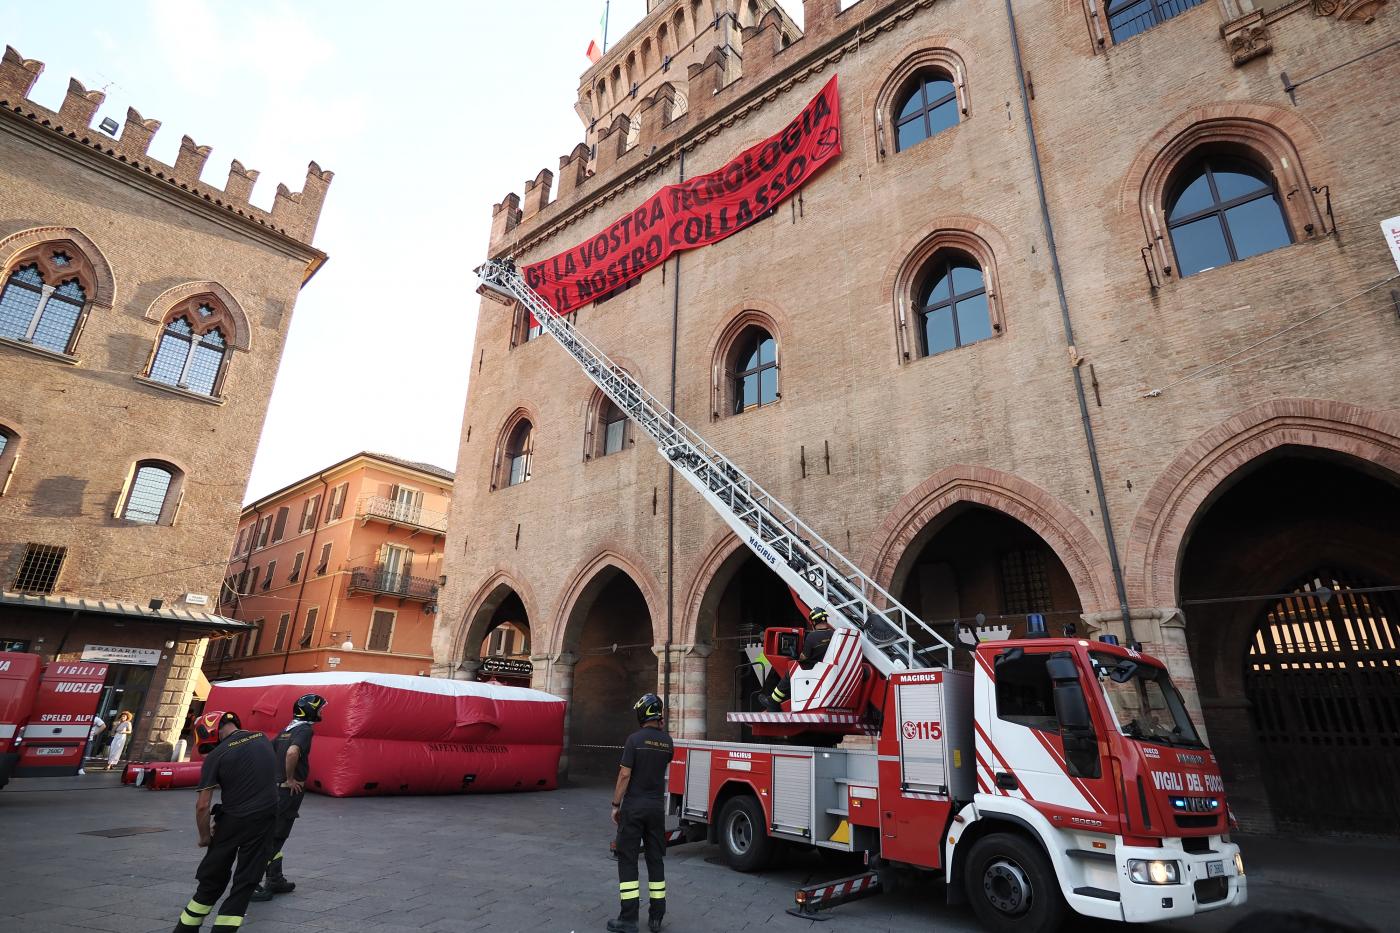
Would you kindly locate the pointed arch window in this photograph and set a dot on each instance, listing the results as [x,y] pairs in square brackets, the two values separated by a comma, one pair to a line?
[192,353]
[9,454]
[515,454]
[43,301]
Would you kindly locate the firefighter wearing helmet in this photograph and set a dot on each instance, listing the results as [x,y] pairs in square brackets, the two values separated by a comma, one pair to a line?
[814,647]
[240,763]
[293,749]
[639,810]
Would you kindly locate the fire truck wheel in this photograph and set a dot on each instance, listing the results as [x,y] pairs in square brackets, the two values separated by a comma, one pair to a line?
[1012,886]
[744,835]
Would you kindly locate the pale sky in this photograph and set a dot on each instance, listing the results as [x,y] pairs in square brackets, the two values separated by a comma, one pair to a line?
[428,113]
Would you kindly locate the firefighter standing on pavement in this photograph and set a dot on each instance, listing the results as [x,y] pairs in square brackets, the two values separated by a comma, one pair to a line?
[814,647]
[240,764]
[293,748]
[639,810]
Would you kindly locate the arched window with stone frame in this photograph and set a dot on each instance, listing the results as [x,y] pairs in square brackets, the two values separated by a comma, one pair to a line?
[45,297]
[192,352]
[1216,188]
[946,293]
[152,494]
[747,370]
[923,96]
[609,430]
[515,449]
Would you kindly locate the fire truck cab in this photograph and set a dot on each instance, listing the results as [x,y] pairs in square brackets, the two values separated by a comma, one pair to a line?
[1059,774]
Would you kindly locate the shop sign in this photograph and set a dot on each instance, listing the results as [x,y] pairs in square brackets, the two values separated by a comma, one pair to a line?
[333,661]
[113,654]
[509,666]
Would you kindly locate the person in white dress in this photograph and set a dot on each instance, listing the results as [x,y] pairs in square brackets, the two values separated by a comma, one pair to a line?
[121,732]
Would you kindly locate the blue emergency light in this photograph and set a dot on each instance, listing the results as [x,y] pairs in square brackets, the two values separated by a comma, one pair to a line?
[1035,626]
[1109,639]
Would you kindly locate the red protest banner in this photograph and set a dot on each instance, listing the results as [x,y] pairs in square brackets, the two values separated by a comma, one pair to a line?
[698,212]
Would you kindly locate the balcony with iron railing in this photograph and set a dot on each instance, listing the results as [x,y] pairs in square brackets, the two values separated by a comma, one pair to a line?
[395,512]
[380,581]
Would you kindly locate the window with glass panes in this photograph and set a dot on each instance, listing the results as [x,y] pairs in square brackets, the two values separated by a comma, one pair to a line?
[613,424]
[952,304]
[518,454]
[189,359]
[755,376]
[1127,18]
[1224,210]
[34,312]
[929,107]
[145,500]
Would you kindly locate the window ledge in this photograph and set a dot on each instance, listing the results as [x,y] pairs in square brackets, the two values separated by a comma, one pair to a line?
[176,390]
[40,351]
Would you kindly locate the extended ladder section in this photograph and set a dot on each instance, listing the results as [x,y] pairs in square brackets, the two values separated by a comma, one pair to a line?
[895,639]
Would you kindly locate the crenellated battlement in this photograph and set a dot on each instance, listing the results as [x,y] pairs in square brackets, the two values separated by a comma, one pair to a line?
[293,214]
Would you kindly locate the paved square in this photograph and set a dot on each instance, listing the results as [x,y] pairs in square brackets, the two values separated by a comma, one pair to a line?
[526,862]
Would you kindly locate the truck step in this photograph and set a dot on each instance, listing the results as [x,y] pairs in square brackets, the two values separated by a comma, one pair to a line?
[814,898]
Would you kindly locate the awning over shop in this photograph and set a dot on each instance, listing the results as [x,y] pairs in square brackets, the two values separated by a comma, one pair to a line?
[192,620]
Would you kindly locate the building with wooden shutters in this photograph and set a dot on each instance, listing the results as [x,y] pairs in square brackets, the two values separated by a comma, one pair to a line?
[338,571]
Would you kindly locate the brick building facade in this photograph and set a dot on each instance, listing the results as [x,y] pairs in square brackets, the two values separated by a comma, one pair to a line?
[142,318]
[1092,315]
[337,571]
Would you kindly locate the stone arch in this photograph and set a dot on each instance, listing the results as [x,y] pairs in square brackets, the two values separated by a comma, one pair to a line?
[1278,138]
[1076,547]
[589,578]
[472,629]
[1157,538]
[717,561]
[242,336]
[969,235]
[103,281]
[499,469]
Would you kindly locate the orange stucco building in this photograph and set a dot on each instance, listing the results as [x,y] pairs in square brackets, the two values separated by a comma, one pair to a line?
[338,571]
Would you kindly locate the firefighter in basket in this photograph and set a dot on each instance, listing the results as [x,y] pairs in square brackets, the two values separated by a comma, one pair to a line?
[240,763]
[639,810]
[814,646]
[293,748]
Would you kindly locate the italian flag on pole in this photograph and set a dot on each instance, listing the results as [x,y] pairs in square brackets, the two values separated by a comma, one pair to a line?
[595,52]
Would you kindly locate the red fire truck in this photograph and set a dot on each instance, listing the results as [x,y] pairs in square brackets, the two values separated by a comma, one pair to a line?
[1043,776]
[46,713]
[1060,773]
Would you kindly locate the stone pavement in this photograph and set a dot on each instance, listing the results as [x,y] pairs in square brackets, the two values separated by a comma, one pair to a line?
[523,862]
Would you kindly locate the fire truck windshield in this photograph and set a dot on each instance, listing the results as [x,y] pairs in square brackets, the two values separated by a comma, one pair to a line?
[1145,701]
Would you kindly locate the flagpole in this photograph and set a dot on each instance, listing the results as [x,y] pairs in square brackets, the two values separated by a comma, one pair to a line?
[607,8]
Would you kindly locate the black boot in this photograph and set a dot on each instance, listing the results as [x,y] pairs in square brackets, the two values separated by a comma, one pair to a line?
[626,921]
[277,882]
[654,920]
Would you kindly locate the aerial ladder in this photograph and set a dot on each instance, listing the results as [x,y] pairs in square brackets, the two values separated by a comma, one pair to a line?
[870,624]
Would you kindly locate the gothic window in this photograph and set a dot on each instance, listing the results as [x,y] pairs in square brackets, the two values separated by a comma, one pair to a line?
[1223,210]
[39,312]
[951,303]
[1127,18]
[514,455]
[192,352]
[929,106]
[9,454]
[754,369]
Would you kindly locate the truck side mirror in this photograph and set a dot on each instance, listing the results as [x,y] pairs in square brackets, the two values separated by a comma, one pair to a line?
[1123,672]
[1061,668]
[1071,709]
